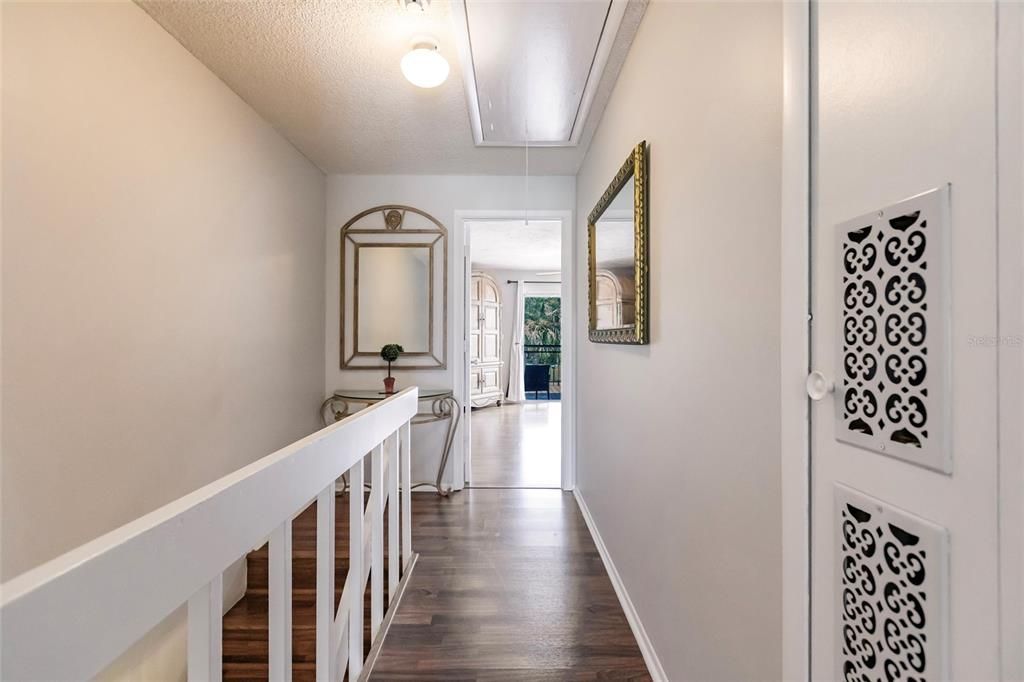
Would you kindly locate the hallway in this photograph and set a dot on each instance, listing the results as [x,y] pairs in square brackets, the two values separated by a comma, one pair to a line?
[517,445]
[508,585]
[649,339]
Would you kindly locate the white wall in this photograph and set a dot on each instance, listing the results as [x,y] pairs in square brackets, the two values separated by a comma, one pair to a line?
[508,306]
[440,196]
[162,277]
[678,455]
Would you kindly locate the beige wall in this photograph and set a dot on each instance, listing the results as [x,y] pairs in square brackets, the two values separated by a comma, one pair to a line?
[440,196]
[684,484]
[162,277]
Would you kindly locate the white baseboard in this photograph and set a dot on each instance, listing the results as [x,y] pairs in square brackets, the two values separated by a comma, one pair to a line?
[646,648]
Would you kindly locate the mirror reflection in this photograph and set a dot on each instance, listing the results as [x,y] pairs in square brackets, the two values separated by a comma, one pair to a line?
[615,267]
[393,297]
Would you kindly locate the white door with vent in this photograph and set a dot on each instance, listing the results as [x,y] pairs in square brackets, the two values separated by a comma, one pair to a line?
[904,476]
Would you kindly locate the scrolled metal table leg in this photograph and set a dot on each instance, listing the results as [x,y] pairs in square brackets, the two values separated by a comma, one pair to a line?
[446,407]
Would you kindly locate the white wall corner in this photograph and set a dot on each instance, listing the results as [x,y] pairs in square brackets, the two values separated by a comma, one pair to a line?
[643,641]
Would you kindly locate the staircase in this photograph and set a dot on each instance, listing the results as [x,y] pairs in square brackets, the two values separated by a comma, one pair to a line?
[245,634]
[94,602]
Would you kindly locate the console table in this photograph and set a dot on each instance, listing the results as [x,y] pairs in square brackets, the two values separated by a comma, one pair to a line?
[443,406]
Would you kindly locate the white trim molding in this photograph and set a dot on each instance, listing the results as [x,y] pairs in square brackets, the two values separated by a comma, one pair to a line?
[1010,190]
[794,340]
[639,633]
[569,341]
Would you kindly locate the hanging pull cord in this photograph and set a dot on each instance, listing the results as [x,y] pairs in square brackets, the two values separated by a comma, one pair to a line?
[526,206]
[526,126]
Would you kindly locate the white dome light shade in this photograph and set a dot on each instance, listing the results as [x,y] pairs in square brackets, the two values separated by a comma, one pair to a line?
[424,67]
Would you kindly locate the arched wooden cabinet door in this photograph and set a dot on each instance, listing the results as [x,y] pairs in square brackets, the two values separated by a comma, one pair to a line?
[485,341]
[613,307]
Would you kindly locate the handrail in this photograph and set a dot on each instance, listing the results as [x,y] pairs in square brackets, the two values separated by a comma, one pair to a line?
[71,617]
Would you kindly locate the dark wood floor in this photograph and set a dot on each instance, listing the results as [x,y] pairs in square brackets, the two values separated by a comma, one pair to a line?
[508,586]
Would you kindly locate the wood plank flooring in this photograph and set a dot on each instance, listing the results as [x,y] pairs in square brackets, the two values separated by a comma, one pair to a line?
[508,586]
[517,446]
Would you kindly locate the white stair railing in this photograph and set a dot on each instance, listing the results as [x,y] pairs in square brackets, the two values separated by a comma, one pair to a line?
[71,617]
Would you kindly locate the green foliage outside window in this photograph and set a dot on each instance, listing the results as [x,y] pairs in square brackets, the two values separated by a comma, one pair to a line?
[542,322]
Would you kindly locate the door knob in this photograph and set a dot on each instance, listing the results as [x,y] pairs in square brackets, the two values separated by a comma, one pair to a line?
[819,385]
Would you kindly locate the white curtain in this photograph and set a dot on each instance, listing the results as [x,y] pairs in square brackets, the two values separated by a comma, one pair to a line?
[516,388]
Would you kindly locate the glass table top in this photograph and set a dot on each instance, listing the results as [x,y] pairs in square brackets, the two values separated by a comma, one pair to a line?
[372,395]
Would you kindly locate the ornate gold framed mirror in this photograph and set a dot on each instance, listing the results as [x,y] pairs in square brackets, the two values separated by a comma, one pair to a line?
[394,274]
[618,256]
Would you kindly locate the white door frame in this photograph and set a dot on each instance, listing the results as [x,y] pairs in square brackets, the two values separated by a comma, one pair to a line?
[1010,226]
[461,272]
[795,340]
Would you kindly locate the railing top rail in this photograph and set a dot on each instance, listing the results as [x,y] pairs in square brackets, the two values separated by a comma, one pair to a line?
[72,616]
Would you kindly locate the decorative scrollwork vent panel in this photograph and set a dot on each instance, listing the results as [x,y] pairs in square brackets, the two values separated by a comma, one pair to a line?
[892,587]
[892,393]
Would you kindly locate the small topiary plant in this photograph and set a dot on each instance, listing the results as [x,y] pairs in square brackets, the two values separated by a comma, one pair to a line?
[390,353]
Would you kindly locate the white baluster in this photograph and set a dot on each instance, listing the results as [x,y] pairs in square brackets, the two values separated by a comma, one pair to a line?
[325,584]
[393,514]
[343,646]
[355,569]
[204,632]
[376,540]
[279,586]
[405,444]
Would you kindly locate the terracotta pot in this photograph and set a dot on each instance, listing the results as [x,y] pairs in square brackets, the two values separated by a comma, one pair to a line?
[389,384]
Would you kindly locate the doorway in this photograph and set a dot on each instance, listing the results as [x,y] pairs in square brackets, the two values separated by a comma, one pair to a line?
[517,344]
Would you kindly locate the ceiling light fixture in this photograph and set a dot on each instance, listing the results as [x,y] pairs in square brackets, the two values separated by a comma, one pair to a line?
[423,65]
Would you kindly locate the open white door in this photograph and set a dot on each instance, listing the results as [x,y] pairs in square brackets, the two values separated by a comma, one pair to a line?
[904,459]
[469,331]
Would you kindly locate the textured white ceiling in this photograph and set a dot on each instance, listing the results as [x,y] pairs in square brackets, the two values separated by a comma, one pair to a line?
[516,245]
[326,74]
